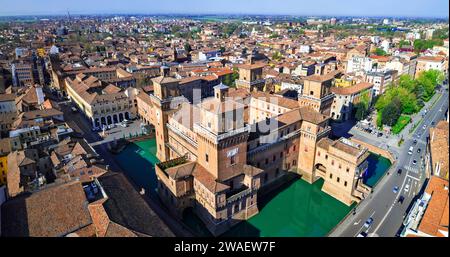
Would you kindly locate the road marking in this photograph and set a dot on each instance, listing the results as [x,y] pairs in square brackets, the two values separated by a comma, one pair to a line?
[392,206]
[411,177]
[362,227]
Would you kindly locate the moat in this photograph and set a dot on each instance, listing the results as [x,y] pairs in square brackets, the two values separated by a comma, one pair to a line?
[296,209]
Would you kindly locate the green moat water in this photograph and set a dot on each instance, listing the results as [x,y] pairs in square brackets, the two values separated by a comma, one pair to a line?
[297,209]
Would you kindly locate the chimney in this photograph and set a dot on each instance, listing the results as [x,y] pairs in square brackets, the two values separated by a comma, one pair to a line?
[221,91]
[165,71]
[250,59]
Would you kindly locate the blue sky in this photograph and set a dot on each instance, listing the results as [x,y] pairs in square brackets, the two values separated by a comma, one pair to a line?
[416,8]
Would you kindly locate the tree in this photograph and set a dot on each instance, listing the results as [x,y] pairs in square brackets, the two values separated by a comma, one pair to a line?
[276,56]
[360,113]
[421,44]
[391,112]
[428,80]
[403,43]
[380,52]
[362,106]
[187,47]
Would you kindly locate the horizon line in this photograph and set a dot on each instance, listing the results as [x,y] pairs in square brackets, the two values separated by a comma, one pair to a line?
[216,13]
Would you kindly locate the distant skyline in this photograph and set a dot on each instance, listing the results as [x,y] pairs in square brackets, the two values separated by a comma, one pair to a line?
[379,8]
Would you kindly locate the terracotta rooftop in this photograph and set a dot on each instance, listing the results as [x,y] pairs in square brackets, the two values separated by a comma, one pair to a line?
[52,212]
[439,145]
[350,90]
[436,217]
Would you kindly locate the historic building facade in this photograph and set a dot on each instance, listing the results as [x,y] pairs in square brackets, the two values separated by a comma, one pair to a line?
[215,155]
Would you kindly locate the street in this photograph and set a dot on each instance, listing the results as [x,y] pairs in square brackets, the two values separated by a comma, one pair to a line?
[383,204]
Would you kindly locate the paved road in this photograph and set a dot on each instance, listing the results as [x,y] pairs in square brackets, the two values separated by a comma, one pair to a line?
[382,205]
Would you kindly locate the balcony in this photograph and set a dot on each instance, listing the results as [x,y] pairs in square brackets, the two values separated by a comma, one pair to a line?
[238,194]
[182,135]
[279,140]
[218,137]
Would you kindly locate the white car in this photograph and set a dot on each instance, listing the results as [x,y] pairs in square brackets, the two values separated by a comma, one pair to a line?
[407,188]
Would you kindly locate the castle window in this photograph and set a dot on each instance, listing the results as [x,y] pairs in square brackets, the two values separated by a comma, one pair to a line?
[331,175]
[338,179]
[318,153]
[347,169]
[332,162]
[232,160]
[326,156]
[206,157]
[345,183]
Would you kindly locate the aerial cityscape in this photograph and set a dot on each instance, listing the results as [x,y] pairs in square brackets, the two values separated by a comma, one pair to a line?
[231,119]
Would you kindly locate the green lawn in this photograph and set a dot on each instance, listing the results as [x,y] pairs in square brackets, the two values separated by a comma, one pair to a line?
[401,124]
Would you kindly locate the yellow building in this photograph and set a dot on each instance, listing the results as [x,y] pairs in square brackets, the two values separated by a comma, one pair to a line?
[344,82]
[3,169]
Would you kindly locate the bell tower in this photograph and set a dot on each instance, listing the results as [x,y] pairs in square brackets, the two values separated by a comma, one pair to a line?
[221,135]
[166,99]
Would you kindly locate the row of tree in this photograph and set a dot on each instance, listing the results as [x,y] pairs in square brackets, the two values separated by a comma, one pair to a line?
[407,96]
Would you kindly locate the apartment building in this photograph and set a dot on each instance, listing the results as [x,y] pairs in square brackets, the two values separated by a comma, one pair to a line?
[425,63]
[345,98]
[8,103]
[380,80]
[251,75]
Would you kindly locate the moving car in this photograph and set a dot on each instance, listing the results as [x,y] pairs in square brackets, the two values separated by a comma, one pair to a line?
[410,151]
[368,223]
[415,141]
[362,234]
[395,189]
[414,162]
[419,150]
[401,199]
[399,171]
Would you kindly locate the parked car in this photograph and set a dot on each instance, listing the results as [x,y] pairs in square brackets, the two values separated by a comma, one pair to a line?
[414,162]
[368,223]
[407,188]
[419,150]
[399,171]
[415,141]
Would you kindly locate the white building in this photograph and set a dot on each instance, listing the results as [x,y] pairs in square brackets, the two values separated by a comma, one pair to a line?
[385,45]
[358,63]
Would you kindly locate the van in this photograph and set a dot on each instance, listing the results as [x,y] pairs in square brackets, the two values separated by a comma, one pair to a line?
[410,151]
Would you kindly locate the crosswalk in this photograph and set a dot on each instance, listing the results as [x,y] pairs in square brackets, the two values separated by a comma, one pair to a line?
[412,169]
